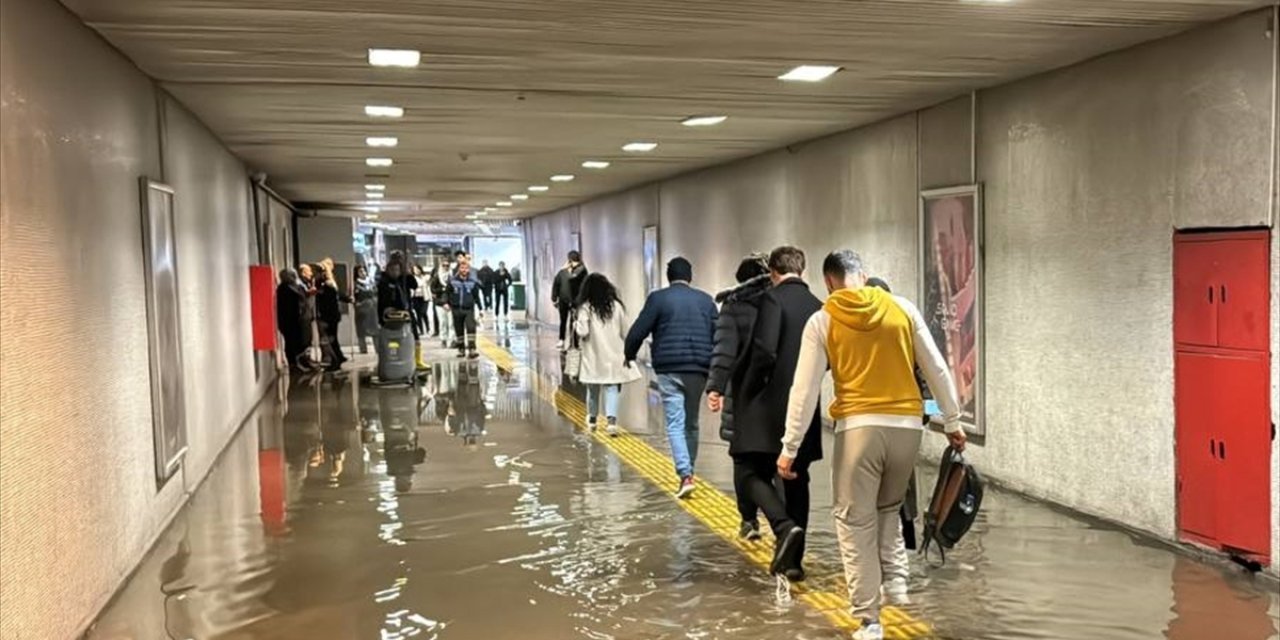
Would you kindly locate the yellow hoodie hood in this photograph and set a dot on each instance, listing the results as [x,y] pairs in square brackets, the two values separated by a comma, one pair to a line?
[871,353]
[859,309]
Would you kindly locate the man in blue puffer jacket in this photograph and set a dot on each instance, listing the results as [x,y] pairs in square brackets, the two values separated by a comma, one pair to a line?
[682,321]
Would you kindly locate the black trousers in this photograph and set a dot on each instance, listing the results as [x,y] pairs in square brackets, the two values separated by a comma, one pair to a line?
[500,302]
[464,327]
[564,320]
[755,477]
[420,322]
[486,298]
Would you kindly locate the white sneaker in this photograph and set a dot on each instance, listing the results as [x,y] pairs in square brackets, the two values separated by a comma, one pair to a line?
[612,430]
[895,592]
[873,631]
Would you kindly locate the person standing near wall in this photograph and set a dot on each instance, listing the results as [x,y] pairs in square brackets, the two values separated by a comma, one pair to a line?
[738,308]
[762,384]
[565,289]
[421,323]
[501,287]
[682,321]
[329,311]
[873,341]
[291,320]
[439,288]
[464,292]
[600,323]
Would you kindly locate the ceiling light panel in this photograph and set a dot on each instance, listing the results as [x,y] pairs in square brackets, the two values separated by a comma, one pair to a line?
[382,141]
[703,121]
[394,57]
[383,111]
[379,162]
[375,187]
[375,195]
[519,196]
[809,73]
[639,147]
[504,203]
[539,188]
[595,164]
[563,177]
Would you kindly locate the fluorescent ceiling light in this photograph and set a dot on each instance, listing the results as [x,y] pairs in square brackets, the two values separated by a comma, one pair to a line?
[809,73]
[539,188]
[375,195]
[519,196]
[595,164]
[703,121]
[563,177]
[375,187]
[379,162]
[382,141]
[373,209]
[640,147]
[504,203]
[482,212]
[394,57]
[471,216]
[490,209]
[370,216]
[383,111]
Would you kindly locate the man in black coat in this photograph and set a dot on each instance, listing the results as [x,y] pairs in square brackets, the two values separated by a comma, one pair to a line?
[565,288]
[292,317]
[738,308]
[762,387]
[486,277]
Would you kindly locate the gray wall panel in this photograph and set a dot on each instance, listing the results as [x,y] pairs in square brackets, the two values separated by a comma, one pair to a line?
[78,496]
[946,144]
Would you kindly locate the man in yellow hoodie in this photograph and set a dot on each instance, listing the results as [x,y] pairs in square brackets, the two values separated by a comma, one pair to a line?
[871,340]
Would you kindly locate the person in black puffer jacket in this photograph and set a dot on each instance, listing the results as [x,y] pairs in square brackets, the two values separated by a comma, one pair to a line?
[738,308]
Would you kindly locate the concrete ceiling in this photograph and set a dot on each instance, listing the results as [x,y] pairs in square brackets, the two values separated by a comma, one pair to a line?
[510,92]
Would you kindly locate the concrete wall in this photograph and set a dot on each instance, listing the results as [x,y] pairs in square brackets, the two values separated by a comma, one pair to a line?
[79,503]
[1087,172]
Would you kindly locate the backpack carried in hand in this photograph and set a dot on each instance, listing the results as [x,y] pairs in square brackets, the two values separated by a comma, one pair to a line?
[957,496]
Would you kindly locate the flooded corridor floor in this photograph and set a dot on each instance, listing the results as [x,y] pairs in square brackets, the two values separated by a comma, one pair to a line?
[471,507]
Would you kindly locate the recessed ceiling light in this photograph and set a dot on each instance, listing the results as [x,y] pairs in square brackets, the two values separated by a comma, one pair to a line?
[382,141]
[383,111]
[370,216]
[471,216]
[375,187]
[490,209]
[563,177]
[504,203]
[394,57]
[539,188]
[519,196]
[640,147]
[373,209]
[379,162]
[595,164]
[375,195]
[482,212]
[703,121]
[809,73]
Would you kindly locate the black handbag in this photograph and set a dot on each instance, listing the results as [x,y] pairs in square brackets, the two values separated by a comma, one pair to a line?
[957,497]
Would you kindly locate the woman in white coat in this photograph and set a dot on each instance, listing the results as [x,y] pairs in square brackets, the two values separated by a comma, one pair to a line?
[601,326]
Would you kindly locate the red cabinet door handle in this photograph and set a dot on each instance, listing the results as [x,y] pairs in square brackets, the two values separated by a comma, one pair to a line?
[1223,296]
[1222,450]
[1210,294]
[1213,448]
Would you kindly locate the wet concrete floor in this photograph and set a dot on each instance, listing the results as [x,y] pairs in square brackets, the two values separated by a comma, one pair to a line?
[470,508]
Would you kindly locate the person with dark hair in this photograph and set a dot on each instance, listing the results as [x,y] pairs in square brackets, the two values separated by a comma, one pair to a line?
[485,275]
[419,295]
[501,286]
[682,321]
[329,311]
[873,341]
[438,285]
[464,294]
[366,299]
[396,286]
[600,322]
[292,318]
[565,289]
[738,307]
[762,383]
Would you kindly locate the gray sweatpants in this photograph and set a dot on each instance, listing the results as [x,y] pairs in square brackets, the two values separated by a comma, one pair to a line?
[870,471]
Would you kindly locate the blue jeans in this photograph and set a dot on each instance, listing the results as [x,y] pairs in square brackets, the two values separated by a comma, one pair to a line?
[681,398]
[610,392]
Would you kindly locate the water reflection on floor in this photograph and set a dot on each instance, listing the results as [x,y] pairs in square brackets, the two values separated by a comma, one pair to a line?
[467,508]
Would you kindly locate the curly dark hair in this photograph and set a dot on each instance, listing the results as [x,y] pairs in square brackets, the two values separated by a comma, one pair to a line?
[600,295]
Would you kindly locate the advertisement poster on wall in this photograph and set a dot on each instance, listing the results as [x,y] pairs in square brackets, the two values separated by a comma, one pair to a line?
[951,288]
[652,278]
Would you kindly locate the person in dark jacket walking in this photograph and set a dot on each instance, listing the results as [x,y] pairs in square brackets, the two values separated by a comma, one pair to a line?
[565,289]
[682,321]
[762,386]
[485,275]
[501,286]
[738,307]
[464,294]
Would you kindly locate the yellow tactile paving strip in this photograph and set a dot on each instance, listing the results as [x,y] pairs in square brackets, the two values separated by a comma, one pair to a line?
[710,506]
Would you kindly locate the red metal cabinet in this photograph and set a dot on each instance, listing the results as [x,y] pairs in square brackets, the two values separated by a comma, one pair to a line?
[1222,389]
